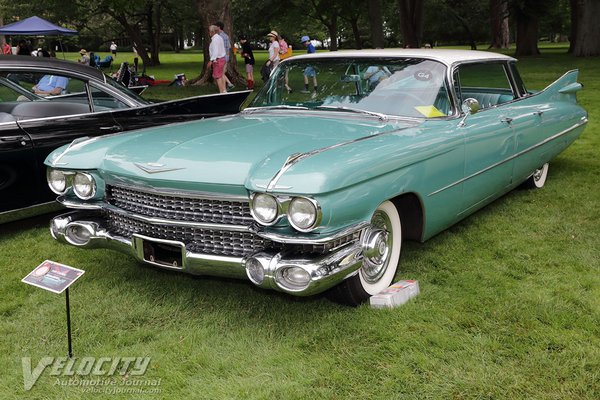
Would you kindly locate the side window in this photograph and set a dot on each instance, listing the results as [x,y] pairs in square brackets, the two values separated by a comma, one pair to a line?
[104,101]
[488,83]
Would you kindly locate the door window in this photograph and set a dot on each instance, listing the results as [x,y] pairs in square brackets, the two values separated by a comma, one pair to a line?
[488,83]
[104,101]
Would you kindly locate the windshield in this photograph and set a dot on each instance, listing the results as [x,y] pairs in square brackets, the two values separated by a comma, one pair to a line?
[407,87]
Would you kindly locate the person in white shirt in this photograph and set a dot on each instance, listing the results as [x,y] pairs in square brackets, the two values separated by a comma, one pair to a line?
[273,50]
[216,51]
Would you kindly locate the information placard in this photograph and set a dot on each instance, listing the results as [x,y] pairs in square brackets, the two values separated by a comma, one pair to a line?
[53,276]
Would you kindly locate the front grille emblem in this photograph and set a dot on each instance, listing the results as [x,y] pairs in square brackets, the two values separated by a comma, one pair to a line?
[154,168]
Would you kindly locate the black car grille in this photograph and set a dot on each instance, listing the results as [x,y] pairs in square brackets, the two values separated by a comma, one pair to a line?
[179,207]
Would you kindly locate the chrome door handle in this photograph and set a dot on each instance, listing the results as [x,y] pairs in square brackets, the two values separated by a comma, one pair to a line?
[113,128]
[538,113]
[506,120]
[13,139]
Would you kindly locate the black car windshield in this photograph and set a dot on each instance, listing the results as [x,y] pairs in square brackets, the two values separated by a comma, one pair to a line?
[406,87]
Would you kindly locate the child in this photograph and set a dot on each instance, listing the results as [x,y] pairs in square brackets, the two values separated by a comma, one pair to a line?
[249,61]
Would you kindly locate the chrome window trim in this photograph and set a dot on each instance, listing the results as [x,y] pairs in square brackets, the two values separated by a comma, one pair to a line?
[76,75]
[504,64]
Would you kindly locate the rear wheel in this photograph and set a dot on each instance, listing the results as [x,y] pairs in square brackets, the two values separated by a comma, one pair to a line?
[381,255]
[538,179]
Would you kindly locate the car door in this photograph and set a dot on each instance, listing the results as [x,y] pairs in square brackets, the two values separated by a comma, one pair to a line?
[19,180]
[489,135]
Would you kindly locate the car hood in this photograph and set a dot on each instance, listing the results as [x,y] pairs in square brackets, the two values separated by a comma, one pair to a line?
[246,150]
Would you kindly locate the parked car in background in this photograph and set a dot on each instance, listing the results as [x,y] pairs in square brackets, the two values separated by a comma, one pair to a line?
[305,192]
[91,104]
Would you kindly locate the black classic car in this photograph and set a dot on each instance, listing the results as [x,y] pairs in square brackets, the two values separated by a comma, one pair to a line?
[91,104]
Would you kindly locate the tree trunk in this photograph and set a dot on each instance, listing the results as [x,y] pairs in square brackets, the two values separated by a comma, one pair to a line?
[135,35]
[575,16]
[376,23]
[587,38]
[332,28]
[527,34]
[211,11]
[356,33]
[411,22]
[499,24]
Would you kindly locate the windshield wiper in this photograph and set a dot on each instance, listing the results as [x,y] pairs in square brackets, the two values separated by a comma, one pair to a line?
[381,116]
[277,107]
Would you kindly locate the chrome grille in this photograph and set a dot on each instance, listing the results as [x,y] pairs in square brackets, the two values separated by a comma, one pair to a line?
[179,207]
[205,241]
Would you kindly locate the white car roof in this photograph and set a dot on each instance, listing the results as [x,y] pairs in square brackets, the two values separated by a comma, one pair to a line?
[445,56]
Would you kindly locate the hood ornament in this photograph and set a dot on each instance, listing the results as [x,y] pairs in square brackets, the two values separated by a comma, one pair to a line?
[154,168]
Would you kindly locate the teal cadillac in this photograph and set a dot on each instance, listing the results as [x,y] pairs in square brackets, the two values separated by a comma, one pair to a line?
[316,188]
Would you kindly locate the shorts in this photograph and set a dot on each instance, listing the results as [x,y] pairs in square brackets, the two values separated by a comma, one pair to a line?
[249,69]
[218,67]
[310,71]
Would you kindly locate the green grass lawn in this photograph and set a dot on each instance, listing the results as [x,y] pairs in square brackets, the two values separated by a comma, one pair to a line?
[509,305]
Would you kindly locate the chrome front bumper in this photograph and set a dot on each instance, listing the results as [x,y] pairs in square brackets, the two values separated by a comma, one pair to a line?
[85,229]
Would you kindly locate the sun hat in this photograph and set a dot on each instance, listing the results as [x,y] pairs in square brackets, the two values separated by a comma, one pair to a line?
[272,34]
[305,39]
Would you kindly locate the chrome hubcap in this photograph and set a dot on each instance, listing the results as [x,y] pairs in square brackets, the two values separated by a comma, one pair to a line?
[537,175]
[377,246]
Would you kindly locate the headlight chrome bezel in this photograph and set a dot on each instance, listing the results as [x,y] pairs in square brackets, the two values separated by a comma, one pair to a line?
[67,179]
[278,213]
[283,210]
[318,214]
[92,183]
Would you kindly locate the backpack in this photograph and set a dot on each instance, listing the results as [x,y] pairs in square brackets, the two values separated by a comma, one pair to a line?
[286,54]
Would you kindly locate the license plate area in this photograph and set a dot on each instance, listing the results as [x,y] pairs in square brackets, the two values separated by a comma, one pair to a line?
[162,253]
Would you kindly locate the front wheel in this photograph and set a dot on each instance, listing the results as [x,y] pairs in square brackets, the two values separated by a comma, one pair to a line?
[381,255]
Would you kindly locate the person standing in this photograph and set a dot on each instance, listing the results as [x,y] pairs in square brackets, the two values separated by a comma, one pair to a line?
[216,51]
[227,43]
[285,51]
[6,49]
[249,61]
[113,49]
[274,58]
[85,59]
[309,71]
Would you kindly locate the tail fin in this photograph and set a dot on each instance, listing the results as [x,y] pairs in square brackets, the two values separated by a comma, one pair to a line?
[564,88]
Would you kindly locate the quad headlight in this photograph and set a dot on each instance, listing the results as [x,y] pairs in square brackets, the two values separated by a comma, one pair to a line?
[304,213]
[57,180]
[84,185]
[265,208]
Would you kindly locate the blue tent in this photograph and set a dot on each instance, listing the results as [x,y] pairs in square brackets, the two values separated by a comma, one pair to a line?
[35,26]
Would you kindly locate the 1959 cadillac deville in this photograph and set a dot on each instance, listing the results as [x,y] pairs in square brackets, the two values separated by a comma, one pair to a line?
[310,190]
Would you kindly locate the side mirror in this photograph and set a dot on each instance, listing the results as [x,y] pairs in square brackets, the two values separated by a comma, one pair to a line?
[470,106]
